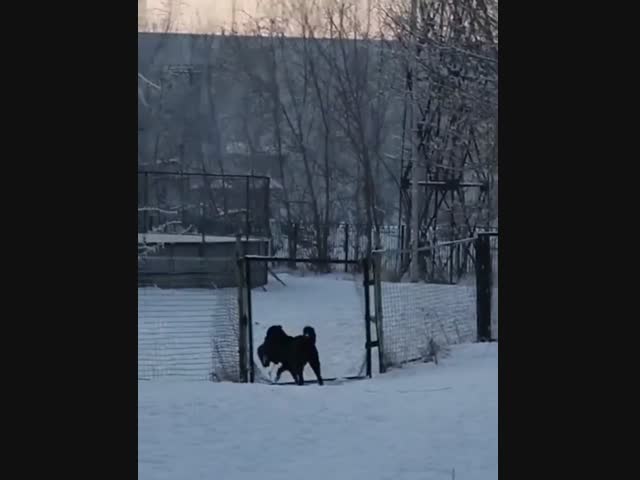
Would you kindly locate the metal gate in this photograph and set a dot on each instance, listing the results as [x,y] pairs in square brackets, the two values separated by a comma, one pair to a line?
[248,319]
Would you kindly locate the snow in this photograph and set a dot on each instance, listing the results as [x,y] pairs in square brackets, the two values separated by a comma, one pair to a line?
[173,238]
[176,327]
[420,422]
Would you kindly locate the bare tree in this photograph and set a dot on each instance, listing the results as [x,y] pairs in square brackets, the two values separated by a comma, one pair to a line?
[357,65]
[314,88]
[454,49]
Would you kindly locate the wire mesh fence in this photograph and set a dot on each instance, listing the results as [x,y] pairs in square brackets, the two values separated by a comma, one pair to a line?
[189,325]
[349,241]
[186,272]
[341,241]
[420,319]
[167,271]
[187,328]
[211,204]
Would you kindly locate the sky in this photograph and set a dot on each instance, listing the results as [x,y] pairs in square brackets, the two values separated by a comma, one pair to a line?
[213,15]
[216,13]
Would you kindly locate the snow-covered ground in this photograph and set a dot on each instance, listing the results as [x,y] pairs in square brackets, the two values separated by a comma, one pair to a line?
[184,332]
[332,304]
[419,422]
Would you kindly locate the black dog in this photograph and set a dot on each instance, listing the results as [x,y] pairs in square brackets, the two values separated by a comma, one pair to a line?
[292,352]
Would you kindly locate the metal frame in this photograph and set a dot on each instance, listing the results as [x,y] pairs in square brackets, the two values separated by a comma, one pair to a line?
[484,262]
[249,180]
[202,174]
[246,340]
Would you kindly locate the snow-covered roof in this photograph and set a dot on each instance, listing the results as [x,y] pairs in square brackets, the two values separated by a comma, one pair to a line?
[175,238]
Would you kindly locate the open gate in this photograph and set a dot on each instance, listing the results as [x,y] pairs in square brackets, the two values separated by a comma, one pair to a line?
[321,298]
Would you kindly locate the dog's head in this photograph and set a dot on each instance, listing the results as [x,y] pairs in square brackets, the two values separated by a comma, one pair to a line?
[269,351]
[275,333]
[262,355]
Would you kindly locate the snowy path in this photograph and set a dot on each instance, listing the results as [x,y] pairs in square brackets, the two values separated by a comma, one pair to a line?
[419,422]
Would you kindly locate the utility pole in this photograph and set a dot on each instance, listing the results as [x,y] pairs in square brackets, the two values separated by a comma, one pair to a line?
[415,177]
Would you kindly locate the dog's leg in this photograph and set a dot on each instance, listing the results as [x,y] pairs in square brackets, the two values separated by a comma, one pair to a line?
[279,372]
[286,367]
[314,362]
[300,375]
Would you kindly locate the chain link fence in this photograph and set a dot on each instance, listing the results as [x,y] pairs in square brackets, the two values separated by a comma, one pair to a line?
[203,203]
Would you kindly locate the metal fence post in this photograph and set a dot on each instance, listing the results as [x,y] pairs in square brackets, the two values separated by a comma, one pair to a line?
[377,302]
[145,215]
[451,270]
[242,317]
[346,247]
[483,287]
[294,254]
[247,206]
[367,311]
[247,275]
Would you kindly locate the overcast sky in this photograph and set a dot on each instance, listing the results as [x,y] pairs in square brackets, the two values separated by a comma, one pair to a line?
[215,14]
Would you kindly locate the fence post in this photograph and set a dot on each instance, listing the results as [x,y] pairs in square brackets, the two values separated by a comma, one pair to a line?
[202,235]
[145,214]
[346,247]
[451,247]
[247,275]
[268,209]
[242,317]
[483,287]
[294,254]
[247,206]
[183,212]
[377,302]
[367,311]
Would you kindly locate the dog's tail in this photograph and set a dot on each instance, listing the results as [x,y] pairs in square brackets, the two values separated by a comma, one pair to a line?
[310,333]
